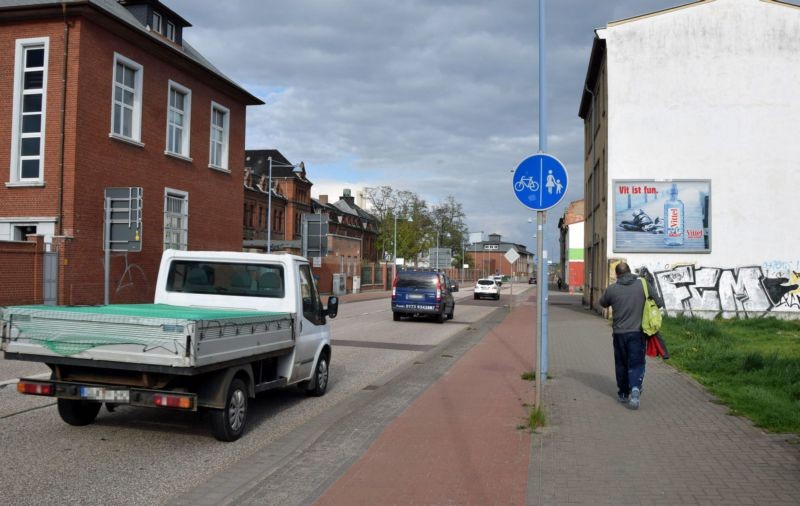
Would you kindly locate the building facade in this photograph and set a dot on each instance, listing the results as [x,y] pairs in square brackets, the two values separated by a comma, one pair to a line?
[571,237]
[489,259]
[106,94]
[690,117]
[291,199]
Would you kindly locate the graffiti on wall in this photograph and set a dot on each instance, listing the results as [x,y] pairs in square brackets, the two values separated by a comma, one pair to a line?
[746,292]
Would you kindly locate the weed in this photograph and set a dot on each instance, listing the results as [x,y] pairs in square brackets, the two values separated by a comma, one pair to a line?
[529,376]
[536,418]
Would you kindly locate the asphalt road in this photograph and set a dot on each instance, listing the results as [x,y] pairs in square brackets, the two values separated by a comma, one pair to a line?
[149,456]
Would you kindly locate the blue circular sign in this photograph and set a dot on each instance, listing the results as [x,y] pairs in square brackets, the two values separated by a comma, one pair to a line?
[540,182]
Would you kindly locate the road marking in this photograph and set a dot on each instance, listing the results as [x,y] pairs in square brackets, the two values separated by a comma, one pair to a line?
[383,346]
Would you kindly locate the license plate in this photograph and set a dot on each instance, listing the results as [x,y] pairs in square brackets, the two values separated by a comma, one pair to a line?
[416,296]
[419,306]
[103,394]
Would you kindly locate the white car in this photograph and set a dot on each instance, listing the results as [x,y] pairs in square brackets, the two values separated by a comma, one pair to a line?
[487,287]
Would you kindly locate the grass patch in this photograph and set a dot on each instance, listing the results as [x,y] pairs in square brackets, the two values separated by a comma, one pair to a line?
[529,376]
[752,366]
[536,418]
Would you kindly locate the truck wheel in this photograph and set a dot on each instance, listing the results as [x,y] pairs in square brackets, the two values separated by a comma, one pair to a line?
[475,297]
[451,313]
[319,383]
[440,317]
[227,424]
[78,413]
[396,316]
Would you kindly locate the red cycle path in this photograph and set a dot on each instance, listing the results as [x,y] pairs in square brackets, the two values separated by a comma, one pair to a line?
[460,442]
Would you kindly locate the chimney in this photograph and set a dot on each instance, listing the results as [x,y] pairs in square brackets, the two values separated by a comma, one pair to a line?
[348,197]
[323,199]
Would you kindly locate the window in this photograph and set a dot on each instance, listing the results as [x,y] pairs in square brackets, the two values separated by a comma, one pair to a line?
[126,113]
[30,99]
[226,279]
[170,31]
[312,305]
[218,156]
[157,22]
[179,112]
[176,219]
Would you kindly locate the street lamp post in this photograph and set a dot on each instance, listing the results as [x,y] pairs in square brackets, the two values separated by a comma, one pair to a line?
[297,168]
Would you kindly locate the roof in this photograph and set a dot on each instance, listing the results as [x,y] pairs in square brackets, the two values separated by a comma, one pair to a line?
[118,11]
[258,161]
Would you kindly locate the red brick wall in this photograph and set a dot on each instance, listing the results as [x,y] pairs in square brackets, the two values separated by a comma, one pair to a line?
[29,201]
[94,161]
[21,272]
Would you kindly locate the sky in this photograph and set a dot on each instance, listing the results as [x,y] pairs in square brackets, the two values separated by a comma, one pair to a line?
[439,97]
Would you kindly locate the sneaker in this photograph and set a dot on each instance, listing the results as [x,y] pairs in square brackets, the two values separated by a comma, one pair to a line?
[633,402]
[623,398]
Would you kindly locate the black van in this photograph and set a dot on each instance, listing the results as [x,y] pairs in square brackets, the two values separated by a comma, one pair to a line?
[423,293]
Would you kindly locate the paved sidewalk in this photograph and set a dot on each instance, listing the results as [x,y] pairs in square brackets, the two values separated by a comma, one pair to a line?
[680,447]
[458,443]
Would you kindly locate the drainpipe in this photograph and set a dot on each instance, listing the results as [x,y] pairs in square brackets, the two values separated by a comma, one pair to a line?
[60,228]
[594,217]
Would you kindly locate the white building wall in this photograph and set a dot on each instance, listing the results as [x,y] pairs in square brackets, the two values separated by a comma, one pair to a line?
[712,91]
[575,236]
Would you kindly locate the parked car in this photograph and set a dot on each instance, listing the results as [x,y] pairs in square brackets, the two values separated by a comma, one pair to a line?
[423,293]
[498,278]
[487,287]
[532,280]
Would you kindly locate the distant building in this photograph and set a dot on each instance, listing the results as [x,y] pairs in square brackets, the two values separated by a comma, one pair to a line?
[100,94]
[571,236]
[291,199]
[350,242]
[489,258]
[690,118]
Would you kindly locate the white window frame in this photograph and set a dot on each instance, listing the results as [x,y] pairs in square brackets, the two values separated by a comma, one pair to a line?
[171,31]
[136,120]
[187,120]
[158,22]
[183,242]
[15,172]
[223,165]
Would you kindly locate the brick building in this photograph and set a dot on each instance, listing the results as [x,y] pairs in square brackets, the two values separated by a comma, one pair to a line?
[291,199]
[351,242]
[488,258]
[104,93]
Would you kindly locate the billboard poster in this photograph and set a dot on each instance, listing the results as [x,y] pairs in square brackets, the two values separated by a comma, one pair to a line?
[662,216]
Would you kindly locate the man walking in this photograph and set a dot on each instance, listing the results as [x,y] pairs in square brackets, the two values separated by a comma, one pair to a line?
[626,298]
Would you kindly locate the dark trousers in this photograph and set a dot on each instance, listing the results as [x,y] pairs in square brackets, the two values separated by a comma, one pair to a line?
[629,348]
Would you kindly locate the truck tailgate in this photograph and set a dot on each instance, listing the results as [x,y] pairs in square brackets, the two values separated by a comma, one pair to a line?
[150,334]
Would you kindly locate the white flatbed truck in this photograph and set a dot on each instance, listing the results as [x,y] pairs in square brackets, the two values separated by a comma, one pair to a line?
[223,327]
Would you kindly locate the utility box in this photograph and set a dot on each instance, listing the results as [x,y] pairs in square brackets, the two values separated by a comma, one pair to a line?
[356,284]
[339,283]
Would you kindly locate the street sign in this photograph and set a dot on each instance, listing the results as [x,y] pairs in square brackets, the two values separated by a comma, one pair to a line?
[540,182]
[511,255]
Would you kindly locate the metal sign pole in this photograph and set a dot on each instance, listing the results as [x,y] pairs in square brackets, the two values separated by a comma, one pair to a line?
[539,306]
[107,247]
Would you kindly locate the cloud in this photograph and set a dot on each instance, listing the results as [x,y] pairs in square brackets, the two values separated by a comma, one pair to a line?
[437,97]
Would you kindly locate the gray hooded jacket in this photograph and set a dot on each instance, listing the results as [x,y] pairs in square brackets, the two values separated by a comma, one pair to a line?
[626,298]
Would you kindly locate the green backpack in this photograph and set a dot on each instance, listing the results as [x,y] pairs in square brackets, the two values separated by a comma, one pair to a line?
[651,316]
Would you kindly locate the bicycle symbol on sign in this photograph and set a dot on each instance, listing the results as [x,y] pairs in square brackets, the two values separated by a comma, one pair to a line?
[524,182]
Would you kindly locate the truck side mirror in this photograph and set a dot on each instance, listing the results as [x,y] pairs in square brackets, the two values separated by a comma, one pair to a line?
[333,306]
